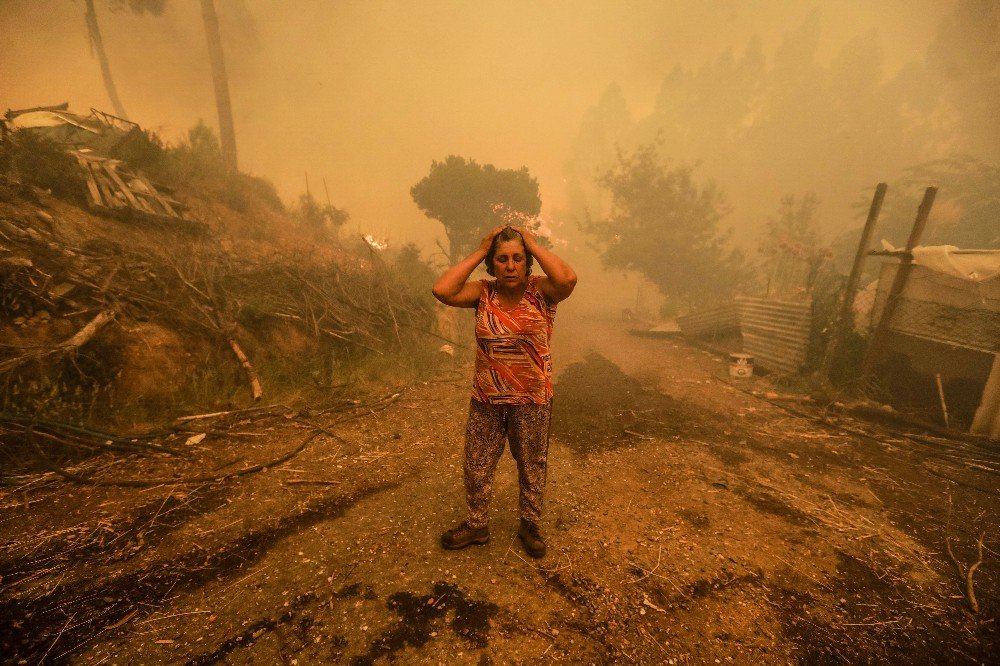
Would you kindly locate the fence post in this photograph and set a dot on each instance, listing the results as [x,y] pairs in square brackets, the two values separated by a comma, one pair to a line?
[877,341]
[846,314]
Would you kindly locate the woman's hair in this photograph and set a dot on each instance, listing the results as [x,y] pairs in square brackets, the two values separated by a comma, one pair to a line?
[507,234]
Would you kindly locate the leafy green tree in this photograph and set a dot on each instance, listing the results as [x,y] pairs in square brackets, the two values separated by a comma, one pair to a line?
[320,218]
[665,225]
[411,274]
[467,198]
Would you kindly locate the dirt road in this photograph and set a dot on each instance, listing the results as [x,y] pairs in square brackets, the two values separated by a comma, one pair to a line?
[687,521]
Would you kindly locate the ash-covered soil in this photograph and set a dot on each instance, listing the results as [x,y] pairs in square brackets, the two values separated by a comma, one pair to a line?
[688,522]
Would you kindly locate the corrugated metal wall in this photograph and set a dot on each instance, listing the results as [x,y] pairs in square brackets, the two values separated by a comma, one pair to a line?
[775,333]
[710,321]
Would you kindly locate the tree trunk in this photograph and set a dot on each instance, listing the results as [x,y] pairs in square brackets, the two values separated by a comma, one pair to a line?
[227,134]
[98,44]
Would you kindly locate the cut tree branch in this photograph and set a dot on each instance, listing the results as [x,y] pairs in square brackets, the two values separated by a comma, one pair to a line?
[966,573]
[145,483]
[251,372]
[79,339]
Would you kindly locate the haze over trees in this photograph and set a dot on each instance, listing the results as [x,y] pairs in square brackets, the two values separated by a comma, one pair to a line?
[767,126]
[154,7]
[220,79]
[97,44]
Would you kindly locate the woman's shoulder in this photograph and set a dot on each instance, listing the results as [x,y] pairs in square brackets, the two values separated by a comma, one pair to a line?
[486,290]
[535,287]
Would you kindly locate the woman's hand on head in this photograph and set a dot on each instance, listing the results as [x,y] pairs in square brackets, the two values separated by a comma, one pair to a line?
[529,238]
[488,240]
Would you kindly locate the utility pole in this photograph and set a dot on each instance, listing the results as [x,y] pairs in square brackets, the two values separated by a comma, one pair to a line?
[94,30]
[227,134]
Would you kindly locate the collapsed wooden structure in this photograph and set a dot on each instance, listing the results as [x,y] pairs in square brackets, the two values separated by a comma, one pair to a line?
[112,188]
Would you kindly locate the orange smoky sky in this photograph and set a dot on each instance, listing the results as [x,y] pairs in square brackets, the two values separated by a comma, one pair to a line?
[366,94]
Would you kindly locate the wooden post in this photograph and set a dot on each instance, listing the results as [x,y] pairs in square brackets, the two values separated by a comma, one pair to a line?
[881,333]
[846,314]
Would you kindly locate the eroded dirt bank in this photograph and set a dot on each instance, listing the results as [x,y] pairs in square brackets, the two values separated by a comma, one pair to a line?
[688,522]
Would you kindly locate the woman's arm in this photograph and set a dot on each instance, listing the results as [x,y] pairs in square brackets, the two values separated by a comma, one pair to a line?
[560,278]
[453,287]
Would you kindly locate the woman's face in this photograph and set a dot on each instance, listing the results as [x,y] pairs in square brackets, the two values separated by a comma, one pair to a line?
[510,264]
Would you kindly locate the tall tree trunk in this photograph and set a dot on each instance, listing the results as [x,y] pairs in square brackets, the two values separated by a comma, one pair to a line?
[227,134]
[98,44]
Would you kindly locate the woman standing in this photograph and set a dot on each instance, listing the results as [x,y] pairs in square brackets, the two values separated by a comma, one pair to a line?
[512,387]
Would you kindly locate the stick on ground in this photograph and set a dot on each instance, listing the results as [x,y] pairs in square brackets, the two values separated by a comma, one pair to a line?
[251,372]
[966,574]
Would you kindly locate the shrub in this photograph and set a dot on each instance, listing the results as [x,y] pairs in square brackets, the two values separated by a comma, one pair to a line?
[41,162]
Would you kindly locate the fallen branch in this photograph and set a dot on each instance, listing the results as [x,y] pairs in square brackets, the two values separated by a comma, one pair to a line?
[310,482]
[789,397]
[78,339]
[276,408]
[89,330]
[966,573]
[251,373]
[646,574]
[353,342]
[944,405]
[89,437]
[145,483]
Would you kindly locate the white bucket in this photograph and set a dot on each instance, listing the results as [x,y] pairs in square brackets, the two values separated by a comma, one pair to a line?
[740,366]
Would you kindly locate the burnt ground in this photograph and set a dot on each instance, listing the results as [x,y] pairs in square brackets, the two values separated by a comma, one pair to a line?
[688,522]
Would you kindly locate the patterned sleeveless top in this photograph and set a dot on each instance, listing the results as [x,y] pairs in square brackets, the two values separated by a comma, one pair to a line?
[513,362]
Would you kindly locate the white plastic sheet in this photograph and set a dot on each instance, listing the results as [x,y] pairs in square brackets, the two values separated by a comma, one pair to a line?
[974,265]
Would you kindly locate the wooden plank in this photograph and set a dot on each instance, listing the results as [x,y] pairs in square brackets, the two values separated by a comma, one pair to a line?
[95,194]
[148,200]
[163,202]
[110,167]
[150,203]
[107,188]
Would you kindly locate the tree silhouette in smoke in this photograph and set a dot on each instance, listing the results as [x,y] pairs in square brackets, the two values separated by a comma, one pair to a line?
[665,225]
[765,124]
[467,198]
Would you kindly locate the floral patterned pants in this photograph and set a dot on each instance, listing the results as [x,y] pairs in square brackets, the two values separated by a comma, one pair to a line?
[526,427]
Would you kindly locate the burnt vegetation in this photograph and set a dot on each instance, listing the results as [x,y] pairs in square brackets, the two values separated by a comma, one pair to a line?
[128,321]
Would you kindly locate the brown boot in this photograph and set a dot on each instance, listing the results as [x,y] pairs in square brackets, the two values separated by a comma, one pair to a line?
[531,539]
[463,535]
